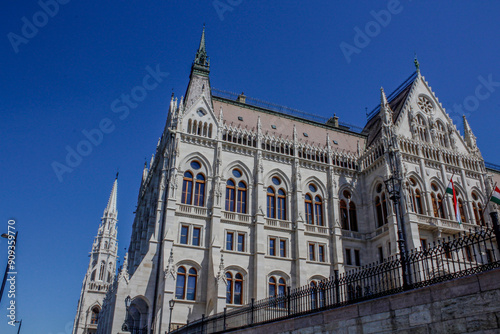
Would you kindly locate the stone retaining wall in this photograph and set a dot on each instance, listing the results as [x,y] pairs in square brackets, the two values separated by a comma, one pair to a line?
[465,305]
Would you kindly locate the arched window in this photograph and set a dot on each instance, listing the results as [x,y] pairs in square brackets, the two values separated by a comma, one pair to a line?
[421,128]
[180,287]
[381,206]
[101,271]
[309,209]
[241,203]
[281,204]
[478,210]
[441,134]
[378,208]
[199,190]
[353,220]
[234,289]
[187,188]
[348,216]
[461,209]
[318,210]
[236,193]
[415,196]
[440,205]
[277,286]
[95,315]
[272,287]
[343,215]
[230,195]
[271,202]
[185,287]
[92,276]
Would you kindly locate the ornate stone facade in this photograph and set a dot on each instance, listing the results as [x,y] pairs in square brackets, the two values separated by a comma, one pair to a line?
[242,202]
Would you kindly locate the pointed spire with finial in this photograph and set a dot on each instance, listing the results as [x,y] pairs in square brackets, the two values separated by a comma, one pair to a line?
[469,137]
[201,61]
[385,108]
[110,210]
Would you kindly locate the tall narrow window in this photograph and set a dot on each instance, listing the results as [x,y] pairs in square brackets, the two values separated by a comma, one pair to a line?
[282,248]
[196,236]
[229,241]
[184,234]
[101,271]
[309,209]
[180,283]
[418,201]
[238,289]
[229,288]
[199,191]
[348,258]
[321,253]
[281,286]
[378,207]
[271,203]
[312,252]
[481,215]
[241,206]
[187,188]
[191,284]
[434,205]
[461,209]
[230,195]
[281,204]
[95,315]
[357,258]
[241,242]
[384,207]
[272,287]
[353,220]
[318,210]
[343,215]
[272,246]
[440,205]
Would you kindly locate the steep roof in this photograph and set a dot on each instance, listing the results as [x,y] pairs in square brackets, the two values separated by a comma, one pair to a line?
[397,101]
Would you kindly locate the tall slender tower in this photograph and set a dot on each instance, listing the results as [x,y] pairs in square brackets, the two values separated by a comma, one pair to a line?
[101,270]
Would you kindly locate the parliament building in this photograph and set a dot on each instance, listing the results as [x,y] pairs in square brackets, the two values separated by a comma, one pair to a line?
[243,199]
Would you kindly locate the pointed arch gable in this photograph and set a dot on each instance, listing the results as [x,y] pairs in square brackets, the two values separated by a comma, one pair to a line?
[237,268]
[190,263]
[206,166]
[248,175]
[286,182]
[281,274]
[318,182]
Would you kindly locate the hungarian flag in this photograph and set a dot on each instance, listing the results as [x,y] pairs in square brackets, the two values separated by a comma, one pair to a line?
[451,190]
[495,197]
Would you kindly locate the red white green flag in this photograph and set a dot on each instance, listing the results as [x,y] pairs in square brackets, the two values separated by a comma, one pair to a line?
[451,190]
[495,196]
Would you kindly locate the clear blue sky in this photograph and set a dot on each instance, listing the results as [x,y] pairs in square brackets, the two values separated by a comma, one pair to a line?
[65,76]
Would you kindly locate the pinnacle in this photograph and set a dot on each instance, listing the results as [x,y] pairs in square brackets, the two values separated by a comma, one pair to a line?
[111,207]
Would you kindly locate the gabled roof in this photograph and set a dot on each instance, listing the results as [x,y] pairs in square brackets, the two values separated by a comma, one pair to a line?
[397,101]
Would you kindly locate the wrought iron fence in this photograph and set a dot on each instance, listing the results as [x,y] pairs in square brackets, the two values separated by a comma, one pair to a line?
[453,257]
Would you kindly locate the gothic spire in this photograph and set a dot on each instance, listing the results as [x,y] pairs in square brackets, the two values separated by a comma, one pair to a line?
[111,207]
[385,108]
[201,61]
[469,137]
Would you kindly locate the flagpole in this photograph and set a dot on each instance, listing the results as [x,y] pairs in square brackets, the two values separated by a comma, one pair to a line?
[445,193]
